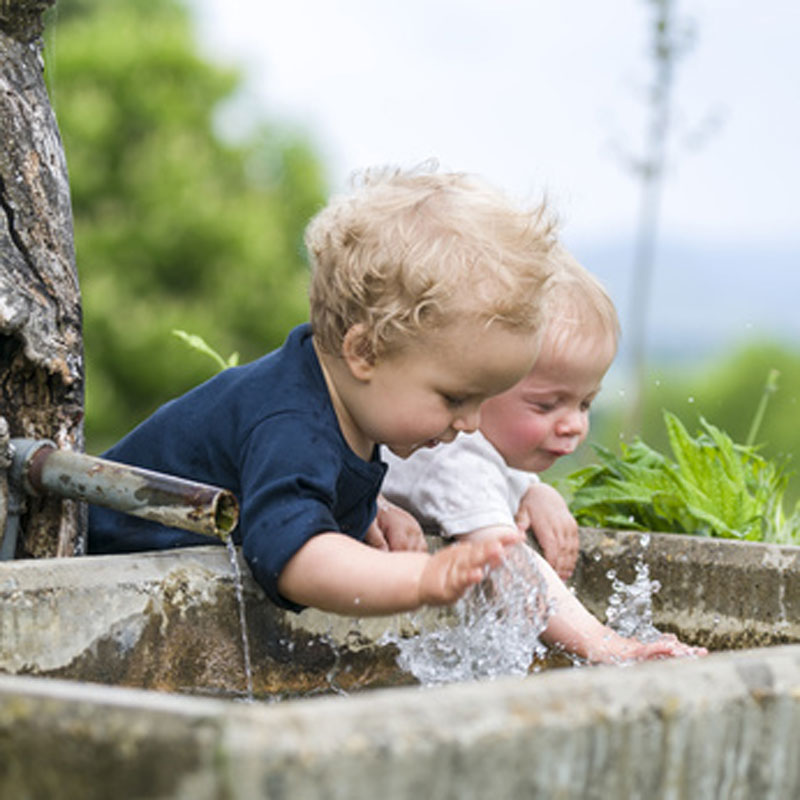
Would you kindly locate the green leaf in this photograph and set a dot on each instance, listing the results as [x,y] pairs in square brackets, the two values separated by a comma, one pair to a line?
[199,344]
[713,487]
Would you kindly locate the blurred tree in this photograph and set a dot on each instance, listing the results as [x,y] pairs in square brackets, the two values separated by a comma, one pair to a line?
[670,39]
[668,43]
[174,227]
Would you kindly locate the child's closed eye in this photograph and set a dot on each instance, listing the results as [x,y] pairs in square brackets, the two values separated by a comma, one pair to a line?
[541,403]
[454,401]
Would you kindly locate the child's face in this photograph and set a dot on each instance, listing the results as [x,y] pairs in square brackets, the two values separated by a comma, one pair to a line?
[430,391]
[546,415]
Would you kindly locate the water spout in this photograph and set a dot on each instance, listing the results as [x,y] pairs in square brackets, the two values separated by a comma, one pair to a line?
[38,467]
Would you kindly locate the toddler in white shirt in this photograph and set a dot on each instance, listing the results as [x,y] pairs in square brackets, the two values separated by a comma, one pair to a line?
[485,483]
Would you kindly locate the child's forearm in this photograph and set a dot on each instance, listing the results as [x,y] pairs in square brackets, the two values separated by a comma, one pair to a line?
[333,572]
[572,626]
[337,573]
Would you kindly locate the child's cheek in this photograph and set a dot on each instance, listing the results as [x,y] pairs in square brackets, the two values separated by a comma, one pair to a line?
[529,433]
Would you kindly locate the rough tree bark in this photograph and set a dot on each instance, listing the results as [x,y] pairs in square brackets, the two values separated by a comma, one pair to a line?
[41,350]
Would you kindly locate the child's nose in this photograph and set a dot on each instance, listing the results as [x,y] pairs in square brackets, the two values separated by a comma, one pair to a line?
[468,421]
[573,423]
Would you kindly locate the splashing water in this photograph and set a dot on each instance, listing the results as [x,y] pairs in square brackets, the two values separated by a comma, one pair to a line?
[494,629]
[630,607]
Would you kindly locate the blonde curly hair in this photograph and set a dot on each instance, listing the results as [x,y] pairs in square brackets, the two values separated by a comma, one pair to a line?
[410,251]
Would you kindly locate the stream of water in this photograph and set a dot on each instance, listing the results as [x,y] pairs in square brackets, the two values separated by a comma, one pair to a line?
[237,578]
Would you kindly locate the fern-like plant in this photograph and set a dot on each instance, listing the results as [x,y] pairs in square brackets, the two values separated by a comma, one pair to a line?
[711,486]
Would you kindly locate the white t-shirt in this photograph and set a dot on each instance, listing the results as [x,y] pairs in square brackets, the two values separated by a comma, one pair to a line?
[457,487]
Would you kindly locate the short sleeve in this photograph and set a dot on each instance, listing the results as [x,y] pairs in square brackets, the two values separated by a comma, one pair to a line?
[289,477]
[461,486]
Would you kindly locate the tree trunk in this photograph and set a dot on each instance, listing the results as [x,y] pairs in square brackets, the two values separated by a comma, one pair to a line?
[41,350]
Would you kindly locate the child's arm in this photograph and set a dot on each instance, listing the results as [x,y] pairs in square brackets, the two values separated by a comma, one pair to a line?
[575,629]
[580,633]
[395,529]
[545,512]
[334,572]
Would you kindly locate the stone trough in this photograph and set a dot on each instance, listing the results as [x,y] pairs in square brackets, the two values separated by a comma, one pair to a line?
[77,634]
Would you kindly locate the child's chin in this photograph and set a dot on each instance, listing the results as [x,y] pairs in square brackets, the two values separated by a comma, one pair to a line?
[541,463]
[405,450]
[402,451]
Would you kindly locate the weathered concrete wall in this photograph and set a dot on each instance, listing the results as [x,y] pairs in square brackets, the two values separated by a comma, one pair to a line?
[727,726]
[170,621]
[721,593]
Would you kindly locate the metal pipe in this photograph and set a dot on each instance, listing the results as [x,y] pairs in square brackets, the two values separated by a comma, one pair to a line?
[39,466]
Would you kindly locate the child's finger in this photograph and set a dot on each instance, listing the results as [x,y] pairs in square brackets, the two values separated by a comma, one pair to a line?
[665,647]
[490,553]
[523,520]
[510,538]
[376,538]
[474,558]
[467,568]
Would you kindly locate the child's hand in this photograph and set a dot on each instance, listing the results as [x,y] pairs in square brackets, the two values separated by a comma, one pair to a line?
[453,569]
[668,645]
[395,529]
[545,512]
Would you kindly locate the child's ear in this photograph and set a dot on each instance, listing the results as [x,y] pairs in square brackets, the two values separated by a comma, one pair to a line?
[358,352]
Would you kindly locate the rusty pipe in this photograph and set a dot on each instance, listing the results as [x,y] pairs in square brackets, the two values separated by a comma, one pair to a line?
[38,466]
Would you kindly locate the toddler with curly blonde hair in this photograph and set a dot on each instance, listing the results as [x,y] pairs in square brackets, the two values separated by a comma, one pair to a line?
[425,300]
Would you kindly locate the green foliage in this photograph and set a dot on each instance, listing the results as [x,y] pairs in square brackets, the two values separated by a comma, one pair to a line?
[198,343]
[711,486]
[729,391]
[175,228]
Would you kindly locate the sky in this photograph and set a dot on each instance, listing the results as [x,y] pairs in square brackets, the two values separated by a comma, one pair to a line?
[548,97]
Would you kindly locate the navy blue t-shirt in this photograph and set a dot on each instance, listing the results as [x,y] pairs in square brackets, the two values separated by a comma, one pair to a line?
[266,431]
